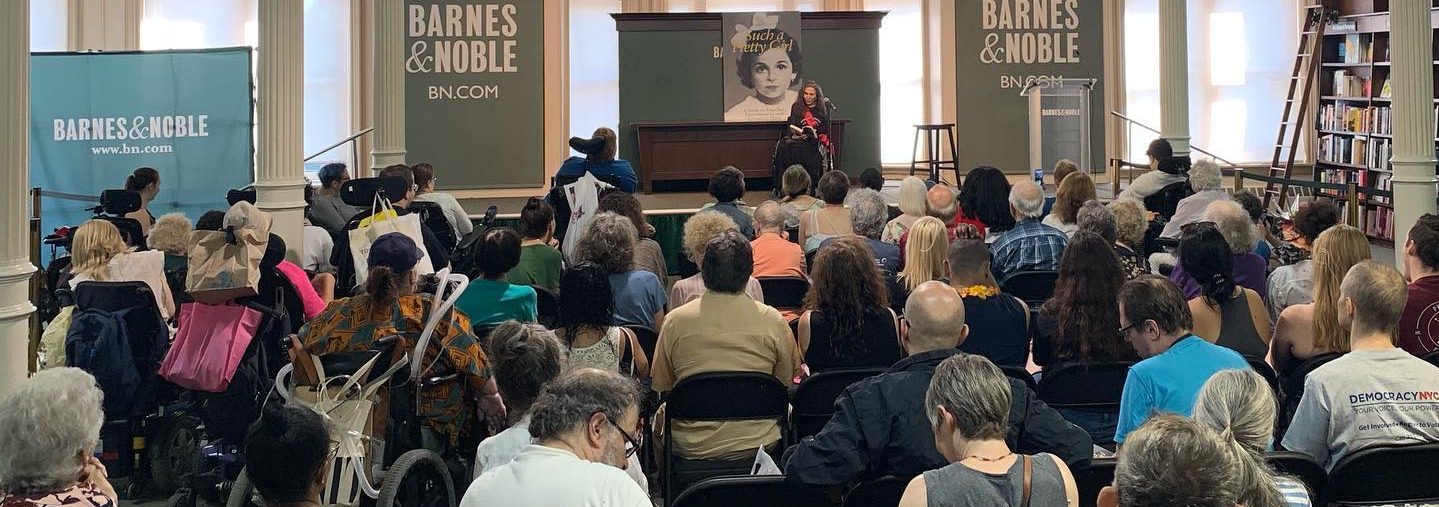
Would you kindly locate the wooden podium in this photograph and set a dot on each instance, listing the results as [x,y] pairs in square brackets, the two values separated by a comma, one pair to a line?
[695,150]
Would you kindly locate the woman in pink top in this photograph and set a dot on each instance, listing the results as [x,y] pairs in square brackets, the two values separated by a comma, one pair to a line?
[310,292]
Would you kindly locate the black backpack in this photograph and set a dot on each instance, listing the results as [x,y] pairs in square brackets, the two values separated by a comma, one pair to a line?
[99,343]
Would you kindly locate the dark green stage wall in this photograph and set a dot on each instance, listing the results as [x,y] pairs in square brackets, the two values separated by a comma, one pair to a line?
[668,73]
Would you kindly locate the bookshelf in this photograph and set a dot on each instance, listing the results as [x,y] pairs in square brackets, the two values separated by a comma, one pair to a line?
[1353,132]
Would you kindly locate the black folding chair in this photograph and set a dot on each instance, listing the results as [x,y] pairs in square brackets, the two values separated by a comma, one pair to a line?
[547,307]
[433,216]
[1019,373]
[1093,477]
[1300,466]
[1432,358]
[1033,287]
[784,292]
[1385,475]
[1269,375]
[1294,389]
[882,492]
[814,398]
[647,337]
[719,396]
[1084,386]
[750,491]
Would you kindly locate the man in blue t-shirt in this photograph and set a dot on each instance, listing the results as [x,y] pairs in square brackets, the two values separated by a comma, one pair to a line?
[1155,319]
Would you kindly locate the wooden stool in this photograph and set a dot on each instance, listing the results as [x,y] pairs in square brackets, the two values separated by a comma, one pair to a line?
[933,159]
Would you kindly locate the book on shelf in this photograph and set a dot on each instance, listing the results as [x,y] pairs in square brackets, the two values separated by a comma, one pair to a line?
[1384,91]
[1347,84]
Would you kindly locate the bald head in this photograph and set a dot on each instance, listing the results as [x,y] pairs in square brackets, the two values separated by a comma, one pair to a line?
[935,314]
[768,217]
[1026,199]
[940,203]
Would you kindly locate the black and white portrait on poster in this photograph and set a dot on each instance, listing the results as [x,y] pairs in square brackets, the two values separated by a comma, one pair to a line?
[762,65]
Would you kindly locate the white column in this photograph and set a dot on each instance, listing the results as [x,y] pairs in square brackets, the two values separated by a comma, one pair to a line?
[280,180]
[15,267]
[1411,54]
[389,147]
[1174,75]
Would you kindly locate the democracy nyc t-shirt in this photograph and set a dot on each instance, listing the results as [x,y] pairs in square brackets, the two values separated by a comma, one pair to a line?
[1368,398]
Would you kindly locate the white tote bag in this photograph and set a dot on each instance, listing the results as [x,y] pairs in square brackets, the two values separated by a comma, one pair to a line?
[386,222]
[584,197]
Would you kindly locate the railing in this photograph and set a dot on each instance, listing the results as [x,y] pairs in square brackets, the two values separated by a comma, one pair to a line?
[354,147]
[1356,195]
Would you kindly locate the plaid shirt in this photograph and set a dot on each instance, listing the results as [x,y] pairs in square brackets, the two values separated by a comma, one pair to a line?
[1029,246]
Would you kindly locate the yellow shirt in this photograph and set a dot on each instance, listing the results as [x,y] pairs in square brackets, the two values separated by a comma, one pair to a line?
[722,332]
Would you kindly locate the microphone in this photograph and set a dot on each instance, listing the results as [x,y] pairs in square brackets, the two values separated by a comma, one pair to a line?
[829,104]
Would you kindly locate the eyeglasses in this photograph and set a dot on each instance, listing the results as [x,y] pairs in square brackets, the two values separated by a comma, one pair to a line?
[1125,330]
[632,444]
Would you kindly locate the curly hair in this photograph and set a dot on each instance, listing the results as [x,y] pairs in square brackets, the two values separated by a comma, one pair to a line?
[985,196]
[625,204]
[1072,194]
[1129,221]
[1315,218]
[1233,222]
[1083,305]
[586,300]
[48,420]
[727,184]
[845,285]
[610,242]
[171,234]
[701,228]
[526,357]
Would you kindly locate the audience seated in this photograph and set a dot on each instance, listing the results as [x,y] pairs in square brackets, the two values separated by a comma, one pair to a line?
[723,331]
[146,181]
[922,263]
[319,243]
[439,255]
[647,253]
[881,425]
[698,231]
[983,202]
[1311,329]
[1173,461]
[1062,169]
[1030,245]
[599,160]
[389,306]
[868,213]
[1255,207]
[540,262]
[99,254]
[314,293]
[1154,318]
[872,179]
[1072,194]
[774,253]
[939,203]
[329,211]
[586,324]
[968,404]
[1094,217]
[1249,271]
[911,208]
[585,426]
[1293,280]
[847,322]
[1240,406]
[491,298]
[1131,225]
[1309,221]
[1205,179]
[639,295]
[1162,172]
[796,199]
[1000,321]
[1224,314]
[1421,265]
[425,179]
[287,454]
[171,235]
[829,220]
[726,186]
[48,431]
[1376,394]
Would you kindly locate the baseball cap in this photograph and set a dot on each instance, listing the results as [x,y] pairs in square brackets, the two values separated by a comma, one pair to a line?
[395,251]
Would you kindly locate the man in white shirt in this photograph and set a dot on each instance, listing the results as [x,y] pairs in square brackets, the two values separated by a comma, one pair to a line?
[1377,394]
[1161,155]
[585,426]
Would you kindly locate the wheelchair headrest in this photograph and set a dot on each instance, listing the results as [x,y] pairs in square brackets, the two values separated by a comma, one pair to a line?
[236,195]
[361,192]
[118,201]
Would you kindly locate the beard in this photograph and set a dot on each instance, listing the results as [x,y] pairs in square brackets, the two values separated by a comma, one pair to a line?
[615,455]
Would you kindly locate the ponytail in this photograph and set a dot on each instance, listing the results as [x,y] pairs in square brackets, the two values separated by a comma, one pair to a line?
[381,286]
[1218,288]
[285,448]
[142,178]
[1256,482]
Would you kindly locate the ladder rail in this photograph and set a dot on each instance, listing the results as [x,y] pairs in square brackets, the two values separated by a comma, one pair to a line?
[1302,81]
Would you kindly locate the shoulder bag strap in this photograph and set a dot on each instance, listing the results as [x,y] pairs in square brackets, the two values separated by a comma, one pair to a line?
[1028,471]
[625,351]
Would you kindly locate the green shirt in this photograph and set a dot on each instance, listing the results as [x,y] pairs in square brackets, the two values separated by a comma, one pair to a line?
[488,302]
[539,265]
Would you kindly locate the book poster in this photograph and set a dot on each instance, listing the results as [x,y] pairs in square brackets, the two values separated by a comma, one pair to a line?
[763,66]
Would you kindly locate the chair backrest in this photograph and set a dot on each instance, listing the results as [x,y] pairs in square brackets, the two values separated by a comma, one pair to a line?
[1268,373]
[433,216]
[750,491]
[1294,385]
[547,307]
[784,292]
[1019,373]
[1385,475]
[1034,287]
[1300,466]
[813,403]
[130,230]
[1432,358]
[1077,385]
[1166,200]
[647,337]
[792,234]
[144,332]
[728,396]
[1093,477]
[882,492]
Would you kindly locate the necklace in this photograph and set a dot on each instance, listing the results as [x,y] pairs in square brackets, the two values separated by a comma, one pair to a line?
[977,291]
[988,460]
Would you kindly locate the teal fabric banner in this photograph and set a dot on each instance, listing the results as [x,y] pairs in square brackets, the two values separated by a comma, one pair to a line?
[95,117]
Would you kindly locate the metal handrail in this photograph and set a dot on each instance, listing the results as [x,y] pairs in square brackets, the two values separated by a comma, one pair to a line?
[1192,147]
[1350,192]
[337,144]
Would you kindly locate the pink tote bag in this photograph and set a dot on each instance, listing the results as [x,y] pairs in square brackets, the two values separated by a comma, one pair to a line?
[209,345]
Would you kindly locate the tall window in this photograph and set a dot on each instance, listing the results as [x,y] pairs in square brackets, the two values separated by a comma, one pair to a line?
[594,67]
[901,77]
[49,27]
[1240,56]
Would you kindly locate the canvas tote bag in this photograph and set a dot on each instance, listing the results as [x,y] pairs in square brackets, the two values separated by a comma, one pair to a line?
[384,221]
[225,264]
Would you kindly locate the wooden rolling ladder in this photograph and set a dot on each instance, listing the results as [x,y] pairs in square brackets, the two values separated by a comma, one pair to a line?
[1301,91]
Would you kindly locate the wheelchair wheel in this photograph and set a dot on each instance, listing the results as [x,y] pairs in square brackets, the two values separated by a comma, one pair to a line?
[419,478]
[175,454]
[242,493]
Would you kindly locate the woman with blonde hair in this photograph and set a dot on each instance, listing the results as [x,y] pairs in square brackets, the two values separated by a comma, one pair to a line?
[795,185]
[698,231]
[99,254]
[911,207]
[1130,225]
[1310,329]
[1239,405]
[923,260]
[1073,192]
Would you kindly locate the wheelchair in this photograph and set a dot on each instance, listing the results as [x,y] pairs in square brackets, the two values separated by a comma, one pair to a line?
[818,162]
[370,401]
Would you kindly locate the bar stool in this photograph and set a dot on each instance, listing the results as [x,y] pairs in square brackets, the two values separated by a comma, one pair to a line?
[933,159]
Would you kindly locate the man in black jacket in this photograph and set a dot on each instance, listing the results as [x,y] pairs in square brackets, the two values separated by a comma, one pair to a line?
[880,427]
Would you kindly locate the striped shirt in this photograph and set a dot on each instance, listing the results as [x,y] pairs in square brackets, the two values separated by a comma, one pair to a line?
[1293,491]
